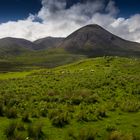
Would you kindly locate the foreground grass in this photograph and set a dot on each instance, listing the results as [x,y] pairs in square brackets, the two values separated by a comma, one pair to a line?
[91,99]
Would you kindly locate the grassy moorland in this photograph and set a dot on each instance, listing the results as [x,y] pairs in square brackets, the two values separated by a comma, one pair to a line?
[91,99]
[37,59]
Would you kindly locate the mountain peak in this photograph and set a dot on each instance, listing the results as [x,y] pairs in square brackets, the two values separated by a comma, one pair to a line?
[94,40]
[92,26]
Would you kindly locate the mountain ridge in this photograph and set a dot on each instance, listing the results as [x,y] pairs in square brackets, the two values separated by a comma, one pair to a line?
[93,40]
[48,42]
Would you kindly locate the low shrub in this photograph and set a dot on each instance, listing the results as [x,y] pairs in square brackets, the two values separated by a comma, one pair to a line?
[35,132]
[76,100]
[12,133]
[11,113]
[92,99]
[10,130]
[130,106]
[87,134]
[101,112]
[53,113]
[60,120]
[71,134]
[44,112]
[116,135]
[86,116]
[83,134]
[82,116]
[35,114]
[13,102]
[18,136]
[25,117]
[20,126]
[111,128]
[1,110]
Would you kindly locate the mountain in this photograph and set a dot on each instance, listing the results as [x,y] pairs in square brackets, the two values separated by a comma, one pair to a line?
[48,42]
[15,46]
[93,40]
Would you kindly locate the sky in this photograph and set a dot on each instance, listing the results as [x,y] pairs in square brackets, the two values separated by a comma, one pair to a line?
[33,19]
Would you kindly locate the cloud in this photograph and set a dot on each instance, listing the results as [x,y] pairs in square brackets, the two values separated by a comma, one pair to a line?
[57,20]
[111,8]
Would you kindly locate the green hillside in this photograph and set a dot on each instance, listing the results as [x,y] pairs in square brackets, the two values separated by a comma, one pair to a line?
[91,99]
[37,59]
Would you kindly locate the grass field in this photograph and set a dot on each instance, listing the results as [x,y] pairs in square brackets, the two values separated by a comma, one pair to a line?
[38,59]
[92,99]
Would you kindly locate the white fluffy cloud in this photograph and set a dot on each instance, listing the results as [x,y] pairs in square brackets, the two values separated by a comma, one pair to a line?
[59,21]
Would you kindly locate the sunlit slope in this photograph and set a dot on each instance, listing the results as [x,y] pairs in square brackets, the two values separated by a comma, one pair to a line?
[101,95]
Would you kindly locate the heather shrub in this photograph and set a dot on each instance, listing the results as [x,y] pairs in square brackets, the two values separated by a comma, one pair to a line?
[60,120]
[86,114]
[18,136]
[82,134]
[35,132]
[92,99]
[20,126]
[10,130]
[130,106]
[111,128]
[101,112]
[76,100]
[71,134]
[116,135]
[44,112]
[11,113]
[87,134]
[1,110]
[25,117]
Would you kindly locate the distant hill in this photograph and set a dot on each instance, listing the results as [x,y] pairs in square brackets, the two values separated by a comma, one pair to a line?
[93,40]
[48,42]
[15,46]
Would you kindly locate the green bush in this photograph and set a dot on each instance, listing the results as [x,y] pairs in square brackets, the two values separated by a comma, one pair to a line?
[18,136]
[53,113]
[92,99]
[76,100]
[1,110]
[10,130]
[116,135]
[82,134]
[44,112]
[71,134]
[25,117]
[111,128]
[101,112]
[87,134]
[130,105]
[82,116]
[11,113]
[13,102]
[35,114]
[35,132]
[20,126]
[60,120]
